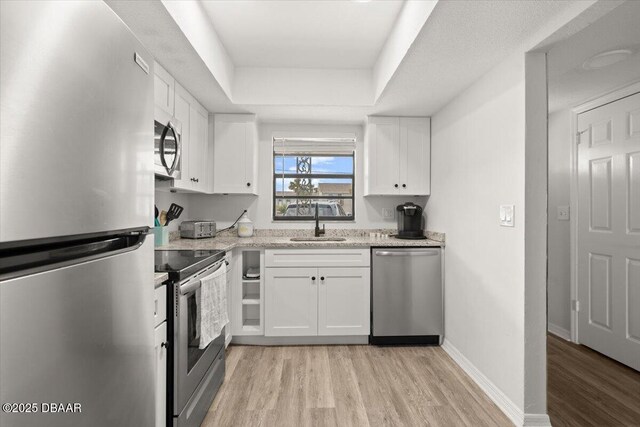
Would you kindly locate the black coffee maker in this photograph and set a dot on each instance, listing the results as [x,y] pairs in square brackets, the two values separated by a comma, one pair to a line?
[410,222]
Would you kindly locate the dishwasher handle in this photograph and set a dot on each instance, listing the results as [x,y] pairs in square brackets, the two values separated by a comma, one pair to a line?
[428,252]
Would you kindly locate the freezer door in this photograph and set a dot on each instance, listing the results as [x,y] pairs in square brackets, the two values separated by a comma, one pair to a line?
[407,292]
[81,335]
[76,127]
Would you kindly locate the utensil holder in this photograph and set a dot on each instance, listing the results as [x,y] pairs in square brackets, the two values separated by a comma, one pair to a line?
[161,236]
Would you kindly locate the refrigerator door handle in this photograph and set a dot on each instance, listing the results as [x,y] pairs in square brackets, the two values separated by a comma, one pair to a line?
[45,258]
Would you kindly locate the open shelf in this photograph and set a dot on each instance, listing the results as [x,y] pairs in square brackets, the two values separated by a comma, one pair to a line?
[250,293]
[252,325]
[251,299]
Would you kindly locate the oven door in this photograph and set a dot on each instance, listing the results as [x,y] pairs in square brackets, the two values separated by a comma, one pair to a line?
[191,363]
[167,148]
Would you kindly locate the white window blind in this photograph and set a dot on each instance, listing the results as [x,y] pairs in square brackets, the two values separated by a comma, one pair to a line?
[314,146]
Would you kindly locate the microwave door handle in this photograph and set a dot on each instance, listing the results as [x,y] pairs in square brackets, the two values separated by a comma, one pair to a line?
[176,159]
[163,159]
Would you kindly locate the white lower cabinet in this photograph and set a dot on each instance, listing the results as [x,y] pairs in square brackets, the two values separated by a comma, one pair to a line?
[161,374]
[309,300]
[291,302]
[343,301]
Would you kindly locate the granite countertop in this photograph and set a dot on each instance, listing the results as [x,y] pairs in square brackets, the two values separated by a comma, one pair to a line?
[160,278]
[357,239]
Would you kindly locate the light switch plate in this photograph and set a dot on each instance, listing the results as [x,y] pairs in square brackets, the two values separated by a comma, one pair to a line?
[563,213]
[507,214]
[387,213]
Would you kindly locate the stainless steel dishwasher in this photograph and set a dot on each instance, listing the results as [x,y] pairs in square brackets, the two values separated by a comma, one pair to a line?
[407,296]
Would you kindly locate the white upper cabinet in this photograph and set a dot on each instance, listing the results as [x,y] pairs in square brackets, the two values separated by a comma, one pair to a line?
[198,147]
[194,124]
[163,89]
[182,115]
[235,154]
[398,156]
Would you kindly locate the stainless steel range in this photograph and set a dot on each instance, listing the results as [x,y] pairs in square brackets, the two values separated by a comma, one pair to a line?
[194,375]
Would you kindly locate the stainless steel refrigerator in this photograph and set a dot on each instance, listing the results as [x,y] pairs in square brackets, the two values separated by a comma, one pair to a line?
[76,199]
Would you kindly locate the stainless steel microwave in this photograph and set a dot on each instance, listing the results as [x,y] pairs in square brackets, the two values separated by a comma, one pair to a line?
[167,146]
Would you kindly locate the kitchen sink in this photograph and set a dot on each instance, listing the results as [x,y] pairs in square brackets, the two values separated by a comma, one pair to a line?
[318,239]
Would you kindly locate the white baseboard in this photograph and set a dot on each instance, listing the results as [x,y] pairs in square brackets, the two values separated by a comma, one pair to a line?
[536,420]
[506,405]
[559,331]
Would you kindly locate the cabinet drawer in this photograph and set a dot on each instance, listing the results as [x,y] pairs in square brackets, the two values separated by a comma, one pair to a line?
[334,257]
[160,305]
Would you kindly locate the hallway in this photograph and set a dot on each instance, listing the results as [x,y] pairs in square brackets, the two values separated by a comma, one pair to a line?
[586,388]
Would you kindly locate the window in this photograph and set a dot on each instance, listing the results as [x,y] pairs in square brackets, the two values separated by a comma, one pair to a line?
[310,173]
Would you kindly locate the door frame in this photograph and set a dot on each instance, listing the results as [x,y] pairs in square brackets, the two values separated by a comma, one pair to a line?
[599,101]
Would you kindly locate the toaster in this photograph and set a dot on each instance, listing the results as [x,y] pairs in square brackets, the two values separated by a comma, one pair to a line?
[198,229]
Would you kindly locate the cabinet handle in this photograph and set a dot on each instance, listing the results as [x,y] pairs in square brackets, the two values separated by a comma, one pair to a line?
[165,344]
[396,185]
[197,179]
[313,278]
[248,184]
[322,278]
[404,185]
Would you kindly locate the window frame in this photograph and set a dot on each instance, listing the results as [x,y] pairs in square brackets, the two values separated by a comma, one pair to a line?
[352,197]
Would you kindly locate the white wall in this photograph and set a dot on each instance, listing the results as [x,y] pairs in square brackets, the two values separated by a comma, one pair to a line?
[165,198]
[559,244]
[478,147]
[225,209]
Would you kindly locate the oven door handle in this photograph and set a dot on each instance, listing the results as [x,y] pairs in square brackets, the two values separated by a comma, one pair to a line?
[190,286]
[195,283]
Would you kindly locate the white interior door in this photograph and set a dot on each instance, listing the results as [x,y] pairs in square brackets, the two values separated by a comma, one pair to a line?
[609,230]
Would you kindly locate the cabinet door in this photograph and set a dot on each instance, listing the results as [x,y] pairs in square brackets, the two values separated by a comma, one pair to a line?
[415,155]
[163,89]
[291,302]
[198,147]
[183,115]
[343,301]
[234,154]
[382,155]
[161,375]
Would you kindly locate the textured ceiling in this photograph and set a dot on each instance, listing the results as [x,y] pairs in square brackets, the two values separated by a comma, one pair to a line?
[460,42]
[303,34]
[569,83]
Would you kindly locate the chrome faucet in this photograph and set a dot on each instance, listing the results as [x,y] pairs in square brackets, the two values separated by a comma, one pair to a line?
[318,232]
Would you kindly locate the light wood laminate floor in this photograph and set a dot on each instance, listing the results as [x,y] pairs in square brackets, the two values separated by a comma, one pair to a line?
[586,388]
[348,386]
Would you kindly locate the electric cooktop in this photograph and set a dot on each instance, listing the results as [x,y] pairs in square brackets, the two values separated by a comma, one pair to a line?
[181,264]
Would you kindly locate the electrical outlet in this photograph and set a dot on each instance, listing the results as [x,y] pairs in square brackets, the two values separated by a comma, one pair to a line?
[507,214]
[387,213]
[563,213]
